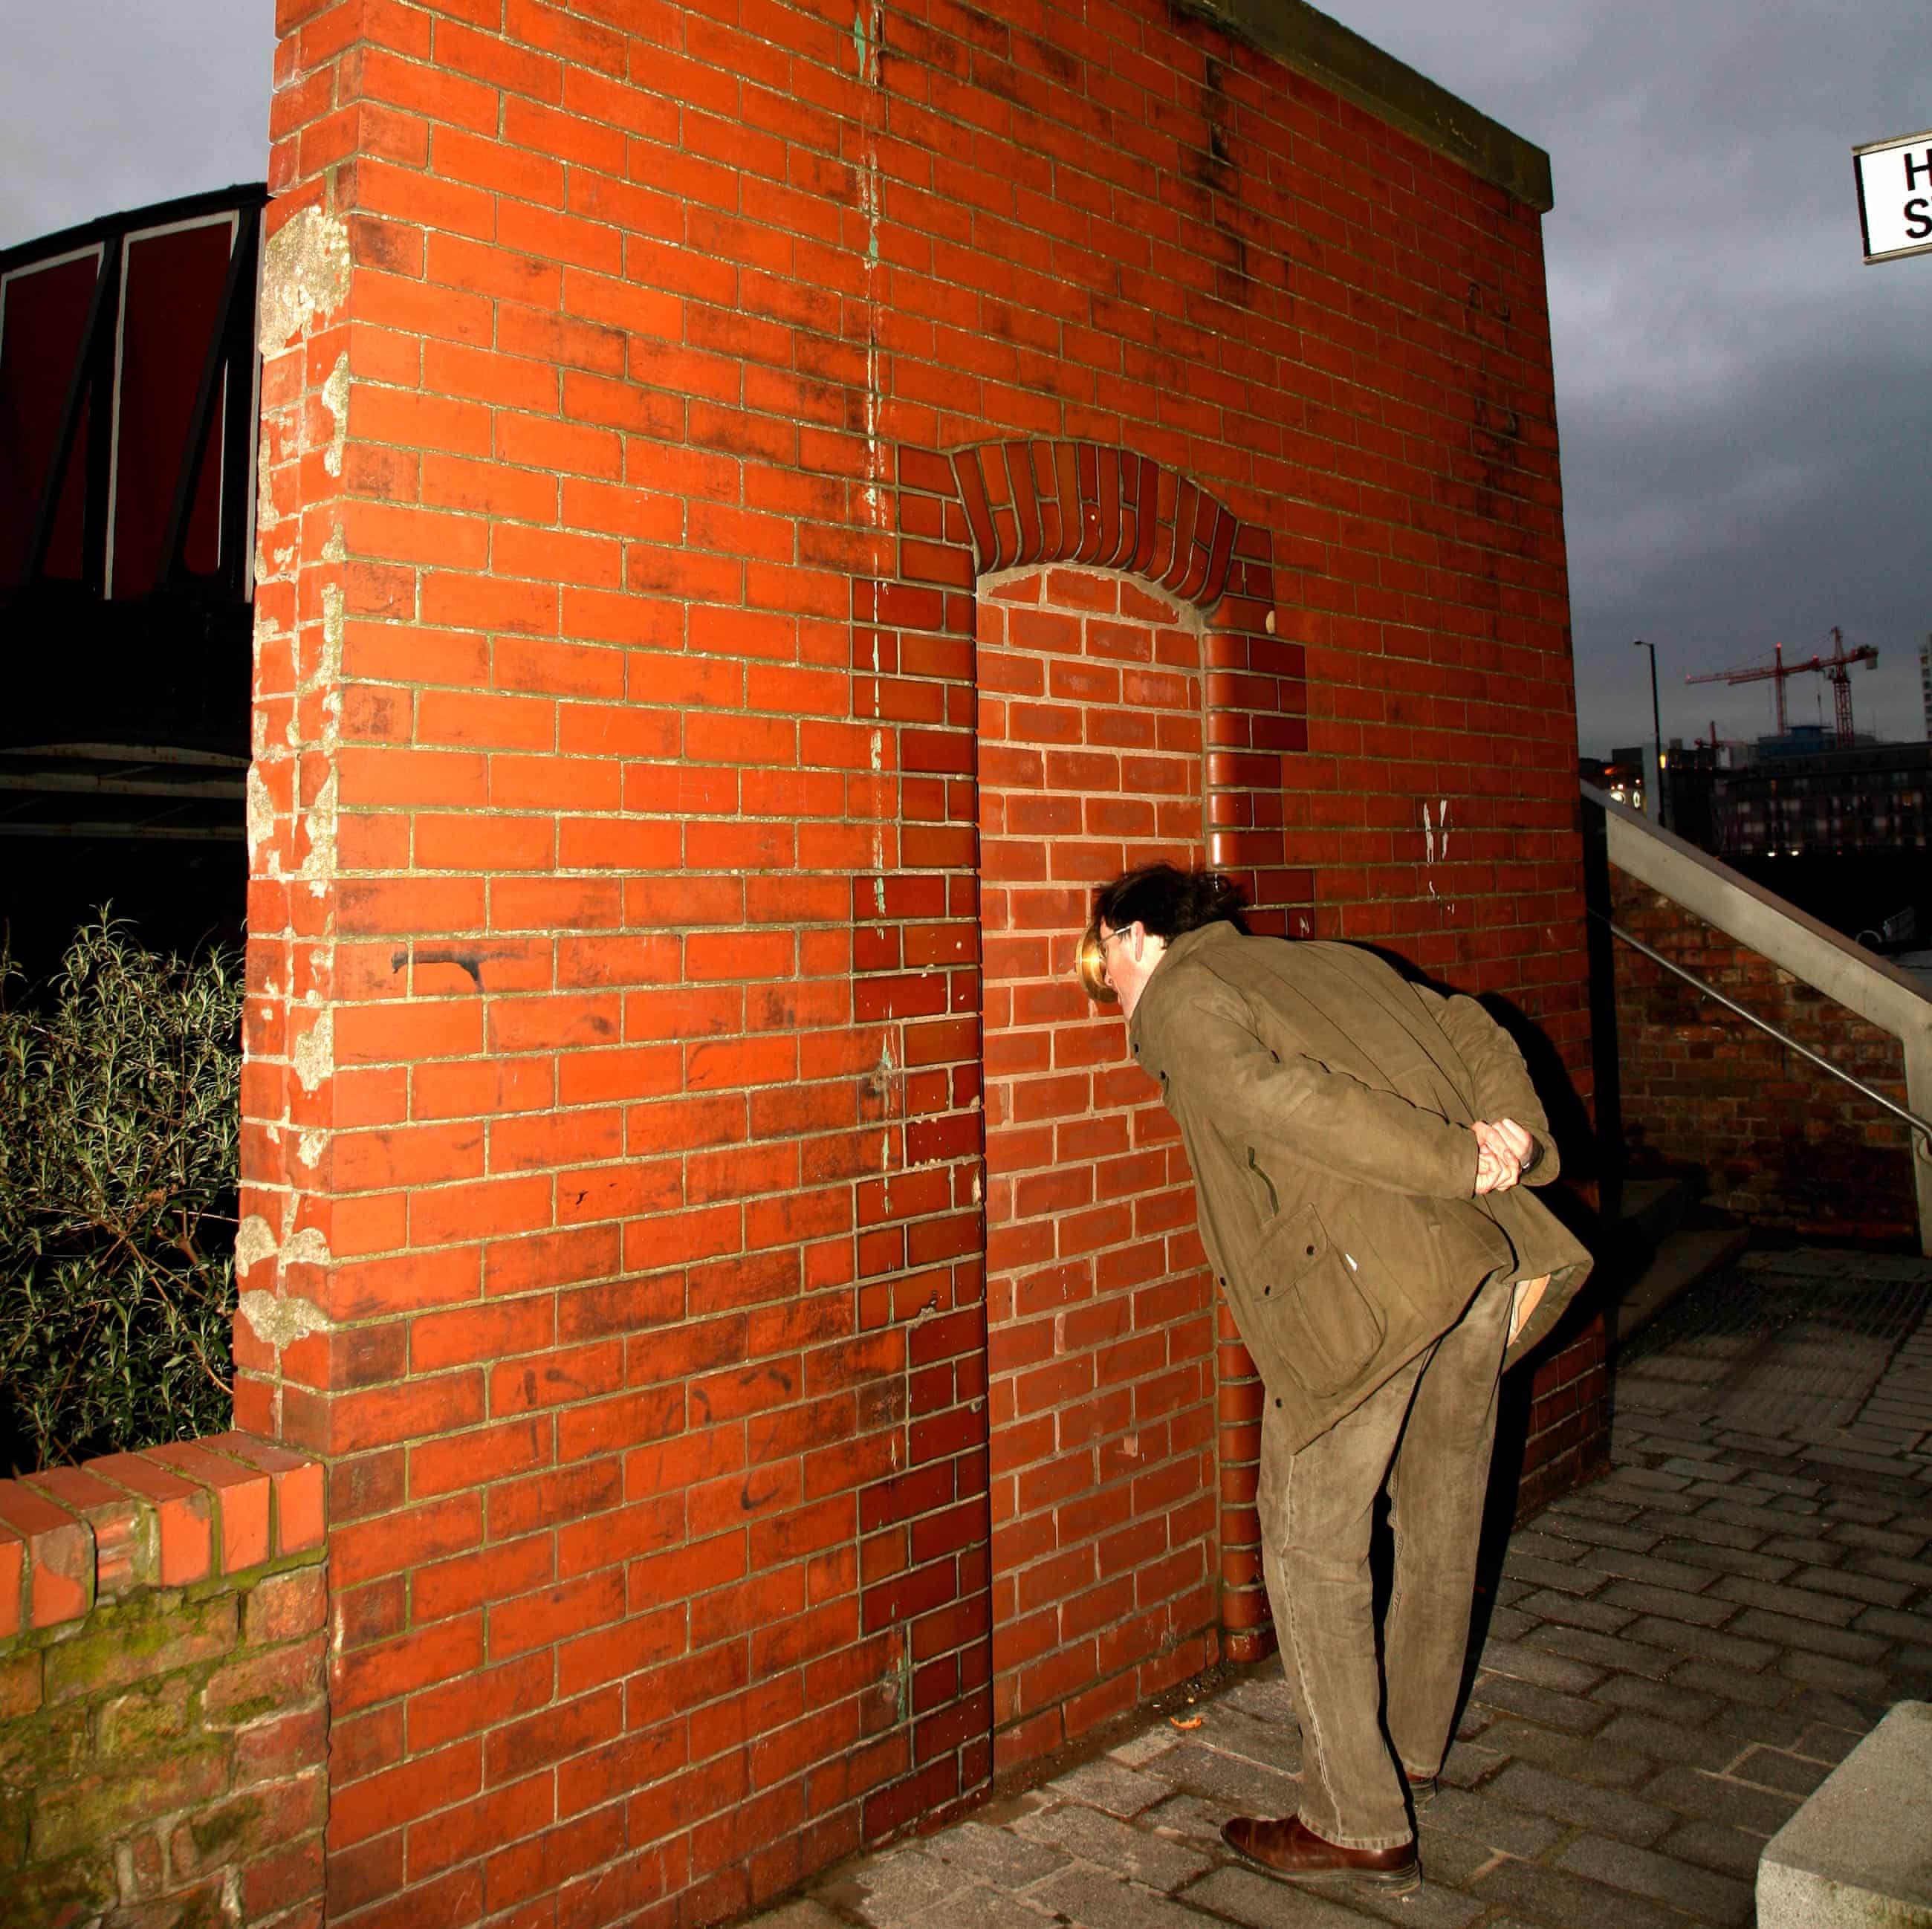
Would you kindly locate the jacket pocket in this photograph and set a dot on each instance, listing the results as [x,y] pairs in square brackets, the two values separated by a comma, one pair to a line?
[1326,1329]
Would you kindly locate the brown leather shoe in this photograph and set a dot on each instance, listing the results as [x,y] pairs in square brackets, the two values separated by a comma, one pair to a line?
[1285,1848]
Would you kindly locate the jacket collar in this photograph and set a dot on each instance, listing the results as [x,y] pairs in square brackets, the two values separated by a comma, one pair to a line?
[1189,944]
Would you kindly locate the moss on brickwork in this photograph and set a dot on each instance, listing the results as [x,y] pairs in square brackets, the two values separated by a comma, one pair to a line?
[117,1791]
[124,1642]
[62,1893]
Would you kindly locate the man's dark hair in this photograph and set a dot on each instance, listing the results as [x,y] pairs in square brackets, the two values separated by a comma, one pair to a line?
[1169,900]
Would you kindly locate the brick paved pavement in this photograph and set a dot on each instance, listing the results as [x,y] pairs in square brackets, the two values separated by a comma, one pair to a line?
[1676,1656]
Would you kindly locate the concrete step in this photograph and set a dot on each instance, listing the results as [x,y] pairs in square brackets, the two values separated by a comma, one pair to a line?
[1679,1263]
[1854,1853]
[1653,1209]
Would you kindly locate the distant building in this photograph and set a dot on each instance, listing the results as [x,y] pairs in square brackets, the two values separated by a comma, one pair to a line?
[1925,683]
[1869,799]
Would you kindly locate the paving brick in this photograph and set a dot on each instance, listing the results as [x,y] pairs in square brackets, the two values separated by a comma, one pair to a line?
[1733,1852]
[1705,1610]
[1583,1759]
[1564,1577]
[1521,1662]
[1662,1740]
[1101,1898]
[1716,1533]
[1820,1742]
[1804,1549]
[1510,1624]
[1572,1713]
[1889,1625]
[1600,1651]
[1620,1563]
[1094,1837]
[1238,1895]
[1610,1811]
[1660,1876]
[996,1855]
[1851,1678]
[1751,1685]
[1872,1589]
[1108,1785]
[1726,1560]
[1527,1540]
[1479,1817]
[1670,1701]
[1789,1630]
[1470,1764]
[1880,1539]
[1571,1611]
[1891,1568]
[1565,1901]
[1228,1779]
[1745,1724]
[1731,1645]
[1772,1768]
[1742,1514]
[1787,1597]
[1715,1799]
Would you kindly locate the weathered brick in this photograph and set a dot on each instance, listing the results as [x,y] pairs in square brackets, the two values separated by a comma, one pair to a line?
[153,1634]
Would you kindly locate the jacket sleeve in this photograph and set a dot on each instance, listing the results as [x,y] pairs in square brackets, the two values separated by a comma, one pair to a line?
[1298,1105]
[1503,1089]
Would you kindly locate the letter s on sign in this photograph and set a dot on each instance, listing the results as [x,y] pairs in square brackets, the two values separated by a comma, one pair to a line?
[1918,218]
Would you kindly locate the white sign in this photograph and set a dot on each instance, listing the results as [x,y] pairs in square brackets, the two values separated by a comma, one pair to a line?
[1894,180]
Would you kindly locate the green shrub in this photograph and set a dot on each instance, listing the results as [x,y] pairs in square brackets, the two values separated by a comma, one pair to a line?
[120,1104]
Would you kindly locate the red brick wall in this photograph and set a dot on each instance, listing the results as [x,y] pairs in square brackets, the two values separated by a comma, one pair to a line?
[1100,1308]
[1770,1137]
[614,1102]
[163,1730]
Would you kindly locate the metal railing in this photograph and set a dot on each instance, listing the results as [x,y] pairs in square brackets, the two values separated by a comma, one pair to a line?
[1921,1128]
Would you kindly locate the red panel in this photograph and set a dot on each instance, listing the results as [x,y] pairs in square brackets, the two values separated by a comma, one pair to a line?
[43,312]
[171,302]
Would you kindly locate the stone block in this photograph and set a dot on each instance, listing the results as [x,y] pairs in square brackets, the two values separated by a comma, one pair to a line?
[1854,1853]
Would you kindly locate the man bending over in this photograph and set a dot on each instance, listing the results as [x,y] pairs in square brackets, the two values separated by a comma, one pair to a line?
[1357,1142]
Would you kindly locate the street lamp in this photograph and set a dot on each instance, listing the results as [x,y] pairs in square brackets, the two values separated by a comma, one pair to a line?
[1656,737]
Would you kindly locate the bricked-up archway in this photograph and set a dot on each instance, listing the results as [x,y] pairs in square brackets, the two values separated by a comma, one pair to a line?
[960,518]
[613,1220]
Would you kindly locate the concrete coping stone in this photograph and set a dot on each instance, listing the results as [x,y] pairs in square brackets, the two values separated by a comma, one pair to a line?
[1859,1849]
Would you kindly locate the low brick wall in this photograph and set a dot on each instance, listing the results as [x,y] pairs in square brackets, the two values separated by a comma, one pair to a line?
[1775,1140]
[1565,1429]
[163,1723]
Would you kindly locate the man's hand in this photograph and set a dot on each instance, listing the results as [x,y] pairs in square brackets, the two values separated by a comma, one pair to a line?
[1501,1146]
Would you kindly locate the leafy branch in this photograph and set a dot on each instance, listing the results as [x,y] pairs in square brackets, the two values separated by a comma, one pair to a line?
[120,1100]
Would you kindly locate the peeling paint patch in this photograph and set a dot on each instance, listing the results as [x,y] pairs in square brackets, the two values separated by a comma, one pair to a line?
[280,1322]
[261,815]
[319,866]
[254,1241]
[335,399]
[314,1058]
[304,272]
[307,1248]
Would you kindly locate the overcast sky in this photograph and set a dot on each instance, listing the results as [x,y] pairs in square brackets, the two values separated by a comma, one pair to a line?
[1746,408]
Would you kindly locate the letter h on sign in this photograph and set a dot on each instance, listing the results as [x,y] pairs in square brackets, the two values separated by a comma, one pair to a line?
[1894,183]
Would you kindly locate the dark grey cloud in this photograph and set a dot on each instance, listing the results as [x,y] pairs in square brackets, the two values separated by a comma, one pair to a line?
[1745,407]
[1746,410]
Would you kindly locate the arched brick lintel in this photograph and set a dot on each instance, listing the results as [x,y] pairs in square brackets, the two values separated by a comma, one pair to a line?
[996,506]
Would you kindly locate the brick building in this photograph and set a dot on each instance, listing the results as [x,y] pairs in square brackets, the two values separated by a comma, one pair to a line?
[760,508]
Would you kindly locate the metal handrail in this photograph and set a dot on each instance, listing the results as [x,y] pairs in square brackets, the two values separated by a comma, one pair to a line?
[1921,1127]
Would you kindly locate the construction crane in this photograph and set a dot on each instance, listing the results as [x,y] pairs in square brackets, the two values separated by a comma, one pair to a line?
[1838,667]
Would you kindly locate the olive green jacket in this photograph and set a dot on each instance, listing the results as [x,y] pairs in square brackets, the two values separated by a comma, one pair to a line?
[1325,1104]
